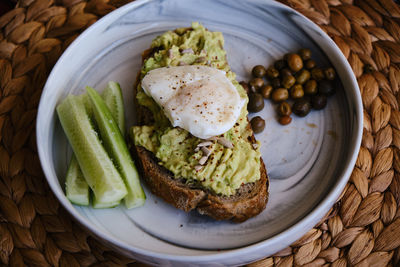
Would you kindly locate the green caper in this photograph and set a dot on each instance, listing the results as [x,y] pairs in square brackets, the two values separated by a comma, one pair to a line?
[301,107]
[284,109]
[326,88]
[245,86]
[279,95]
[256,102]
[296,91]
[256,84]
[257,124]
[305,53]
[288,81]
[317,74]
[285,120]
[302,76]
[266,91]
[295,62]
[259,71]
[330,74]
[318,101]
[272,72]
[310,87]
[276,83]
[280,64]
[310,64]
[285,72]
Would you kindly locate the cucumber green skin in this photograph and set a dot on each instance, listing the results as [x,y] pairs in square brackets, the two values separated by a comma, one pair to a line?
[97,167]
[113,99]
[76,187]
[116,146]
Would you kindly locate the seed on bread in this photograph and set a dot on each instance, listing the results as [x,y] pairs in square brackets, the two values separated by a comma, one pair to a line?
[225,142]
[206,151]
[187,51]
[201,59]
[203,160]
[198,167]
[170,53]
[206,143]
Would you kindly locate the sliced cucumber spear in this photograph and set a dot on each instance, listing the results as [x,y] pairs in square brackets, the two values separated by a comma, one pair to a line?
[116,147]
[97,167]
[101,205]
[113,99]
[76,187]
[112,96]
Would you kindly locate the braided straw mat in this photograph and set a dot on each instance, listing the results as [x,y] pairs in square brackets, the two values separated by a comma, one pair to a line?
[362,229]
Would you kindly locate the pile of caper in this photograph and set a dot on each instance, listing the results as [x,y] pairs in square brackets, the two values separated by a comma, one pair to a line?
[295,79]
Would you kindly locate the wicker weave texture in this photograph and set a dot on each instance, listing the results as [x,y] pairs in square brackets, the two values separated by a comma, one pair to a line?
[362,229]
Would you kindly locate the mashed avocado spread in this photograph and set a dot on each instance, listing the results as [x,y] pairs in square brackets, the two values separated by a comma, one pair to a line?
[226,168]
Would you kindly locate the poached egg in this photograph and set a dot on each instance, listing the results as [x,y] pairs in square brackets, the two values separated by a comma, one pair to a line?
[199,99]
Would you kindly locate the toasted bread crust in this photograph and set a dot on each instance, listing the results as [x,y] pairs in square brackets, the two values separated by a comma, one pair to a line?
[249,200]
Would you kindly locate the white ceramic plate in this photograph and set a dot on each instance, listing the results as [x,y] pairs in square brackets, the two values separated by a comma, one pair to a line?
[308,161]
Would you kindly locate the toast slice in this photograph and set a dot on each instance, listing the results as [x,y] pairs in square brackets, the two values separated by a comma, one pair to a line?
[250,199]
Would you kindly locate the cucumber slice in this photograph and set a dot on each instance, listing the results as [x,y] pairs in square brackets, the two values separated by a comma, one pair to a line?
[97,167]
[118,150]
[75,183]
[113,99]
[76,188]
[100,205]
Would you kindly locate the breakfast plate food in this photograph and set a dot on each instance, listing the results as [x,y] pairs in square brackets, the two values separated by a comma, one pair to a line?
[193,140]
[308,161]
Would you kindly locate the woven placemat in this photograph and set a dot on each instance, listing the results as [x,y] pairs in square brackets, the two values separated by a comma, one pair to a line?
[362,229]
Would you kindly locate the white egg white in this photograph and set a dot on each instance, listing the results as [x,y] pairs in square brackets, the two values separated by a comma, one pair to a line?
[199,99]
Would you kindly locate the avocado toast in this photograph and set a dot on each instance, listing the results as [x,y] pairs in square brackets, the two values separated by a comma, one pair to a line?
[232,183]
